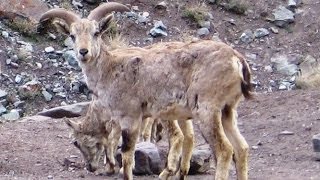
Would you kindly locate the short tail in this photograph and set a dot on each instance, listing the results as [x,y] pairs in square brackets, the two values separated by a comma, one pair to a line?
[246,85]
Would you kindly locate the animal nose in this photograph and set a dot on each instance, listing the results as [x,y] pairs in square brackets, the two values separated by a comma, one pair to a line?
[83,52]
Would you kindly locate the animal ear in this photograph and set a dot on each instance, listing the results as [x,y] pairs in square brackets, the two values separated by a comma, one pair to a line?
[105,22]
[74,125]
[61,26]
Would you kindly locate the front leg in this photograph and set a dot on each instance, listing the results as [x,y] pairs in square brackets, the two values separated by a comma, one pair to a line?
[111,148]
[130,135]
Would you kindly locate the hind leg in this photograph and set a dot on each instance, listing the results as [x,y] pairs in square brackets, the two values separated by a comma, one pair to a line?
[188,144]
[146,129]
[209,120]
[241,148]
[175,145]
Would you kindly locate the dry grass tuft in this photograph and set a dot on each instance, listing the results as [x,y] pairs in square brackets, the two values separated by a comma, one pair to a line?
[196,14]
[309,79]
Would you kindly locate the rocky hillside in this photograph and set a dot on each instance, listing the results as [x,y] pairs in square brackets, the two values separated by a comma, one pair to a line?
[39,70]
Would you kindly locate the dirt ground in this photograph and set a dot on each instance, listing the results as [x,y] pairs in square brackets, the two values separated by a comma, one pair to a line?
[41,149]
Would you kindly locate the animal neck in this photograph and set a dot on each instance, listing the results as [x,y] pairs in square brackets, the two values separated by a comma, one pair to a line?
[97,70]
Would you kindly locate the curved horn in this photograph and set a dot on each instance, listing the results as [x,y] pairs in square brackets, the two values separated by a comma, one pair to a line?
[106,8]
[67,16]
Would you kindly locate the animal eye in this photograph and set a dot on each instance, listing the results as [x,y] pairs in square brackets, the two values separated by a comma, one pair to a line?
[75,143]
[72,37]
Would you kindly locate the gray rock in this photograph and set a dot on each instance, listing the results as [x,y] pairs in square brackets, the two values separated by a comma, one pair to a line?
[316,145]
[19,104]
[205,24]
[155,32]
[73,110]
[147,159]
[247,36]
[49,49]
[71,58]
[8,61]
[18,79]
[268,69]
[282,65]
[12,115]
[77,4]
[162,5]
[200,161]
[203,32]
[160,25]
[261,32]
[2,109]
[212,1]
[47,96]
[68,42]
[292,4]
[274,30]
[282,16]
[285,85]
[5,34]
[142,19]
[3,94]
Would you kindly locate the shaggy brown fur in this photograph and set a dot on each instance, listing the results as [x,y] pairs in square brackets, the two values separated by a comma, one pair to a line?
[201,80]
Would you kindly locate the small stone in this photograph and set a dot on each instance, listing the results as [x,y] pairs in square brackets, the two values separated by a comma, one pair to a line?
[49,49]
[274,30]
[71,58]
[286,133]
[254,147]
[8,61]
[212,1]
[12,115]
[68,42]
[162,5]
[77,4]
[200,161]
[52,36]
[155,32]
[19,104]
[247,36]
[160,25]
[47,96]
[3,94]
[2,109]
[261,32]
[268,69]
[205,24]
[5,34]
[282,16]
[135,8]
[50,177]
[18,79]
[316,145]
[282,87]
[203,32]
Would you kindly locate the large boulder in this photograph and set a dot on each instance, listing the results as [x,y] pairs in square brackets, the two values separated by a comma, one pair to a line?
[147,159]
[29,10]
[73,110]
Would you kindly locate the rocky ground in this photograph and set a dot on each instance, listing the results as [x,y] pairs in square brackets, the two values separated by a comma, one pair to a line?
[279,38]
